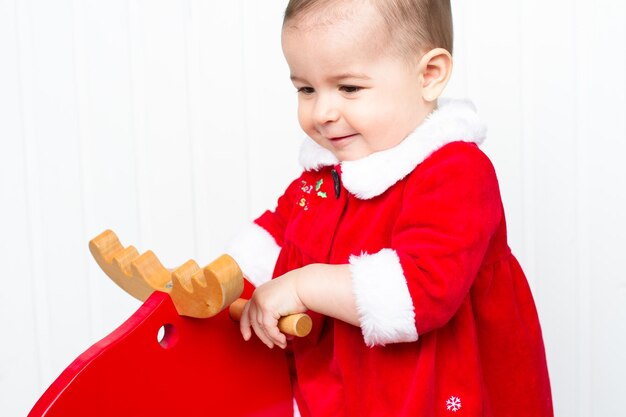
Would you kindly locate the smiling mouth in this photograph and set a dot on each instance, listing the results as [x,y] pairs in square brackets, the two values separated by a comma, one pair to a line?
[338,138]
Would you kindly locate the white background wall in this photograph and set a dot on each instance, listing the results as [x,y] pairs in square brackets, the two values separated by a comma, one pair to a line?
[172,122]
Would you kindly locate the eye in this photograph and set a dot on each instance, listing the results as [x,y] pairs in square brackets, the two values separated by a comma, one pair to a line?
[350,88]
[306,90]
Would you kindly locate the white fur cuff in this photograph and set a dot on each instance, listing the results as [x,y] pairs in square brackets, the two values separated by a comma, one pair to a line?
[256,252]
[382,297]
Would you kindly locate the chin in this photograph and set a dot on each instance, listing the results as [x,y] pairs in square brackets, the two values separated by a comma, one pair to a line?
[346,152]
[349,156]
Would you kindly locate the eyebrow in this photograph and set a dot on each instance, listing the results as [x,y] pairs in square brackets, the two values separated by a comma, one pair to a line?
[338,77]
[347,75]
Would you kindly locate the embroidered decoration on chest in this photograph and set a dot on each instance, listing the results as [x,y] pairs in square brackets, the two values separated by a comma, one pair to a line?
[311,192]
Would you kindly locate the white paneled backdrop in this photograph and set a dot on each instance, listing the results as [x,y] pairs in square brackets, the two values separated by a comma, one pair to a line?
[173,122]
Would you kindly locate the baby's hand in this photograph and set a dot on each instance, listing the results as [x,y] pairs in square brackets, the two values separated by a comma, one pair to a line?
[271,301]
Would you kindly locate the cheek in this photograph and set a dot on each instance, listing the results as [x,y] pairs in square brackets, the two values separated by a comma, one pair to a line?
[381,120]
[304,117]
[359,112]
[364,114]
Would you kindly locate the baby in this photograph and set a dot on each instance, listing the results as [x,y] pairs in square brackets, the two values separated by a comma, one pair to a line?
[394,236]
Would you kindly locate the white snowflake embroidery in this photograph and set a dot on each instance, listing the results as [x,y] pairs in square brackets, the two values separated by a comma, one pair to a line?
[453,404]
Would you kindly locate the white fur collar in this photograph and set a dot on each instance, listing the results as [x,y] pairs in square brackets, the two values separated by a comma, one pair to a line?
[368,177]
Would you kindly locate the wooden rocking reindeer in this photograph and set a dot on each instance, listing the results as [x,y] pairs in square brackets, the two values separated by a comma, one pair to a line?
[168,358]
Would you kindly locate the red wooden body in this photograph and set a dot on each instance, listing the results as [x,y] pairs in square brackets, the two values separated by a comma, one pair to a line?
[201,367]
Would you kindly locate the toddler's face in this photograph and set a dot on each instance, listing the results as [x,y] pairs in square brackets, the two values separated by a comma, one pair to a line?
[355,96]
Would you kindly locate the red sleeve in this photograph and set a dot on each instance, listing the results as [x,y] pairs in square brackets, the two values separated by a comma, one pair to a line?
[275,221]
[256,248]
[451,209]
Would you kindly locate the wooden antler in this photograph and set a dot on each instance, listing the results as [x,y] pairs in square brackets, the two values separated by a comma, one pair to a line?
[194,291]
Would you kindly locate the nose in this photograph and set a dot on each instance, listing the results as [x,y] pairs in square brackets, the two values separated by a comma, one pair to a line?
[325,110]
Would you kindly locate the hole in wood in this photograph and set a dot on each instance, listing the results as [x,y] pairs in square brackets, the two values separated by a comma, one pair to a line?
[167,336]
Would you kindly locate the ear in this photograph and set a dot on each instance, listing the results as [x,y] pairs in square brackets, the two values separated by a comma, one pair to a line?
[435,69]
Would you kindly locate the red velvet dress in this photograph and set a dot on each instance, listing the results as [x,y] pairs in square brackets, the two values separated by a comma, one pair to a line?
[448,322]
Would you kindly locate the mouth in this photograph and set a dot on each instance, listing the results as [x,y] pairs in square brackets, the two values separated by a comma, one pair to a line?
[340,138]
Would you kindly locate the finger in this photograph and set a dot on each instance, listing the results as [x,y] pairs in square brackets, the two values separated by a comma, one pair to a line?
[271,329]
[260,332]
[244,323]
[256,319]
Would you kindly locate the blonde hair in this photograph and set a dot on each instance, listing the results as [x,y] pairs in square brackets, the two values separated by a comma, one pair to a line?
[416,26]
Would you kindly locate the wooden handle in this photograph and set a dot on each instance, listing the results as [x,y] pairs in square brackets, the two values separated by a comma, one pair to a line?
[294,324]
